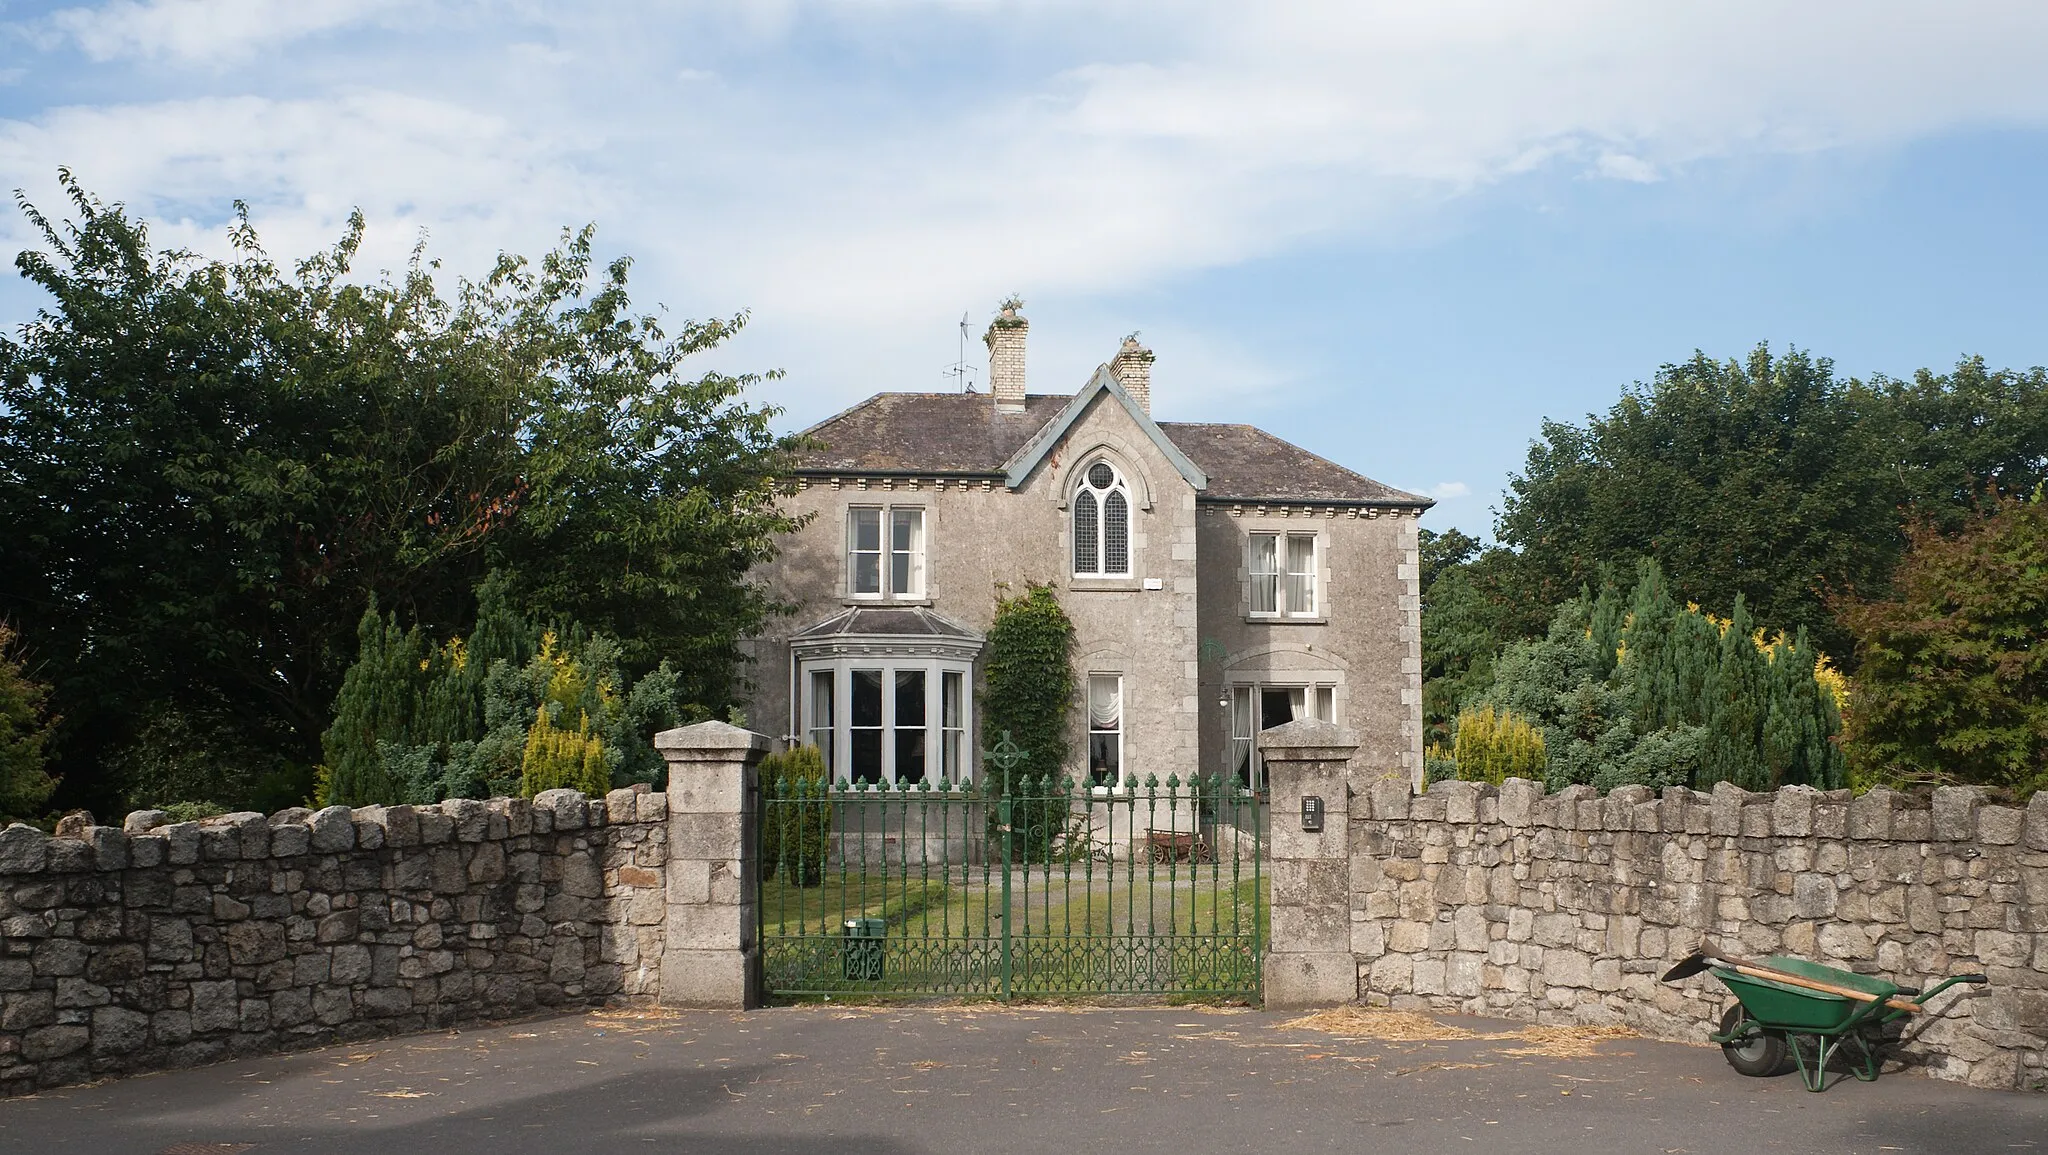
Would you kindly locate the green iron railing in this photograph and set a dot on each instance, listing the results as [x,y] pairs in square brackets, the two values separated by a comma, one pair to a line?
[1054,888]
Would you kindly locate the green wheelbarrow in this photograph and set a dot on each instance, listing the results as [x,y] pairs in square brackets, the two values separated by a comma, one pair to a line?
[1780,1000]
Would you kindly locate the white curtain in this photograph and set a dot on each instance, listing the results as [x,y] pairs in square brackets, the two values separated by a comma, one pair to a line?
[1105,703]
[1301,574]
[1265,573]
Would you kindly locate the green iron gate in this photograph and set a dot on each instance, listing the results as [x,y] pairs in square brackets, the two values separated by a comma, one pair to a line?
[1056,888]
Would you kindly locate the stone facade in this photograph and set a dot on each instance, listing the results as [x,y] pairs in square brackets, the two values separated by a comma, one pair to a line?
[1368,646]
[988,541]
[149,946]
[993,482]
[1567,907]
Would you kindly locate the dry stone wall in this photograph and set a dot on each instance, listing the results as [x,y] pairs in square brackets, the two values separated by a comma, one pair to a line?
[150,945]
[1567,907]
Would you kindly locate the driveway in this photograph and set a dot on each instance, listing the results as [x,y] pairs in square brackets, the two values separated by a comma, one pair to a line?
[972,1079]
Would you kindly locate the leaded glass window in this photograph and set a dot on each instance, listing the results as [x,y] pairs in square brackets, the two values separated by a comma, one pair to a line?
[1102,524]
[1087,534]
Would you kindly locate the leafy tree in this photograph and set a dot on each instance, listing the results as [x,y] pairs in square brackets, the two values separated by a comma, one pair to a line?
[1470,608]
[24,728]
[1952,682]
[1772,478]
[650,494]
[1767,477]
[1439,553]
[1961,434]
[208,468]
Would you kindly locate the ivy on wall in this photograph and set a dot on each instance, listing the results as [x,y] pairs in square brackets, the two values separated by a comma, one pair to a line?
[1030,685]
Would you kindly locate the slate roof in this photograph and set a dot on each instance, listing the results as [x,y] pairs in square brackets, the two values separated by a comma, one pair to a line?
[927,433]
[1246,463]
[961,433]
[908,621]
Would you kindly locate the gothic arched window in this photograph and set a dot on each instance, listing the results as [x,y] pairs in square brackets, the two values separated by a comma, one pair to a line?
[1102,523]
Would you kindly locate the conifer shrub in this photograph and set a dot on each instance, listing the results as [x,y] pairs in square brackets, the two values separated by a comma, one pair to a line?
[509,709]
[560,758]
[1438,764]
[796,834]
[1494,747]
[1636,689]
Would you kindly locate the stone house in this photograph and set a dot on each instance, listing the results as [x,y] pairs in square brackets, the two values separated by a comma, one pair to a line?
[1220,581]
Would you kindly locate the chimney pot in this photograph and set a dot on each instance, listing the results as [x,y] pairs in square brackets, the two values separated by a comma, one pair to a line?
[1005,341]
[1132,368]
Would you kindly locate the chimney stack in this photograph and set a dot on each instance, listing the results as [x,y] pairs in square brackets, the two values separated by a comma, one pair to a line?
[1132,368]
[1005,340]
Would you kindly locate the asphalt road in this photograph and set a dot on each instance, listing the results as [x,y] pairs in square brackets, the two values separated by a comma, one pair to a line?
[965,1079]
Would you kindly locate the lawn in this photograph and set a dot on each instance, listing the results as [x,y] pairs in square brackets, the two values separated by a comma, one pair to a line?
[1115,933]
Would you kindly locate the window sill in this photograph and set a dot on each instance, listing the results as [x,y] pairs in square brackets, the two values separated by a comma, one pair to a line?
[1289,620]
[1106,585]
[885,602]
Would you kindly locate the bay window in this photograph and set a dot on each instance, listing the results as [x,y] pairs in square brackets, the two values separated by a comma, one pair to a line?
[888,719]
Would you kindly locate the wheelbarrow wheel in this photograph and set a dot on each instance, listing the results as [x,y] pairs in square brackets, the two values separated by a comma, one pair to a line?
[1759,1054]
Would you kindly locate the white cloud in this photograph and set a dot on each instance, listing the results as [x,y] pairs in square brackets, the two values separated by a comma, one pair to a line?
[1446,490]
[463,176]
[204,31]
[1097,153]
[1621,166]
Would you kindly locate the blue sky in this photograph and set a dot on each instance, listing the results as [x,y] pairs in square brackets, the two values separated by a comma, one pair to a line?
[1399,234]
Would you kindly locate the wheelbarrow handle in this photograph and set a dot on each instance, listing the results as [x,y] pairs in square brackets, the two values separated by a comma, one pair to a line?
[1930,992]
[1792,980]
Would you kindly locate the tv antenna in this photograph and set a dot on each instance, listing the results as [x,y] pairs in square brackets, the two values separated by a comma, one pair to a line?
[960,370]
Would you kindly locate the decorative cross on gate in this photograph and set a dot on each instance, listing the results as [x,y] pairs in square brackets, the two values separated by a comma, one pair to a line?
[1005,756]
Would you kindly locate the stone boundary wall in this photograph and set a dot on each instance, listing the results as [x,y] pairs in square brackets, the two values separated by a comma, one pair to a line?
[125,949]
[1566,907]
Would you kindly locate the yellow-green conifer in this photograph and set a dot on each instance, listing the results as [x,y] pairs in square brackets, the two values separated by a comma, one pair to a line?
[1494,746]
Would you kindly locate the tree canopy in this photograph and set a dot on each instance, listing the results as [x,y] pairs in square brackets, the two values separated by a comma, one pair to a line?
[1769,477]
[210,468]
[1953,680]
[24,728]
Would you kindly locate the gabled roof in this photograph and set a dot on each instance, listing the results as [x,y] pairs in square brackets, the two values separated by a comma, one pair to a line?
[1020,465]
[1245,463]
[961,434]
